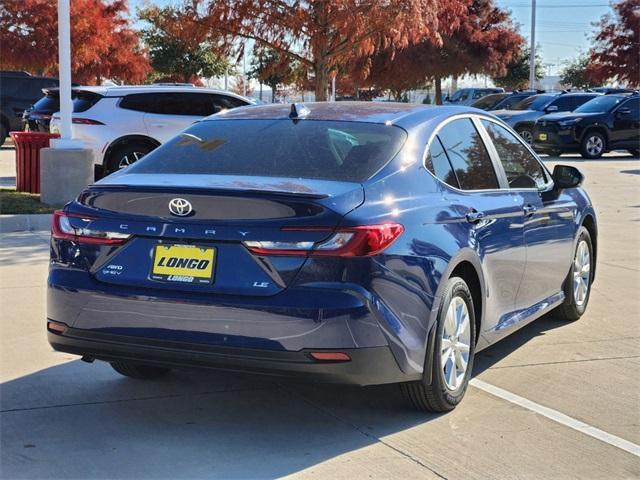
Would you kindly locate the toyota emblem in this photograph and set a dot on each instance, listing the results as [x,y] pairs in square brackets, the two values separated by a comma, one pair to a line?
[180,207]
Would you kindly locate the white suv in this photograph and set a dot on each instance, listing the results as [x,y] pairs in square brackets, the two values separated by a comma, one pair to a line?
[120,124]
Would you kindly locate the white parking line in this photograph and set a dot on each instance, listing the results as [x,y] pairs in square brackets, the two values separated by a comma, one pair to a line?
[556,416]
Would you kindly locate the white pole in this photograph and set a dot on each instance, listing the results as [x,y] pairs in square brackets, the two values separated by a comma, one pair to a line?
[532,58]
[333,88]
[64,68]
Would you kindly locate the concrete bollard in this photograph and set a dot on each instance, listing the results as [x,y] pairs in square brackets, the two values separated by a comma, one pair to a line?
[64,173]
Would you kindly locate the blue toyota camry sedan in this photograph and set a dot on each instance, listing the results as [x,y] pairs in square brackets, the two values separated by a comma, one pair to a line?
[360,243]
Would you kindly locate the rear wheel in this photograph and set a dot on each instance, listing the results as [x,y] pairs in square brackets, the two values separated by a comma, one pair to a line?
[453,353]
[577,286]
[126,155]
[593,145]
[140,372]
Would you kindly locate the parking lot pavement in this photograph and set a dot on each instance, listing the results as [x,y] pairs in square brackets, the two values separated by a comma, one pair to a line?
[62,418]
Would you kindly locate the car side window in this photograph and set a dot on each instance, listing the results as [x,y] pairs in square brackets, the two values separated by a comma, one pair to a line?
[188,104]
[140,102]
[632,104]
[522,169]
[227,102]
[438,163]
[563,104]
[468,155]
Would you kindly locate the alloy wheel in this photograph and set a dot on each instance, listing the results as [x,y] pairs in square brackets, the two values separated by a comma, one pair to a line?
[595,145]
[527,136]
[455,343]
[581,273]
[129,158]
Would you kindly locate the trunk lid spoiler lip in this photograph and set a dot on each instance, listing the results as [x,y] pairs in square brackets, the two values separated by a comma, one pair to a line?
[295,187]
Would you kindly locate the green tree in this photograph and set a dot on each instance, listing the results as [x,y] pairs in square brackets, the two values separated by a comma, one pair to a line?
[181,50]
[517,75]
[575,73]
[272,68]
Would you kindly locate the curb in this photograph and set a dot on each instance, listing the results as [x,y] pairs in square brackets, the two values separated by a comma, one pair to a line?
[21,223]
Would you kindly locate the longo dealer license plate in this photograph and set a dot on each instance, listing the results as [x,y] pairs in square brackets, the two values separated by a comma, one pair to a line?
[183,263]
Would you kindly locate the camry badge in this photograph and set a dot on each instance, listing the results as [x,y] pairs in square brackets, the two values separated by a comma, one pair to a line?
[180,207]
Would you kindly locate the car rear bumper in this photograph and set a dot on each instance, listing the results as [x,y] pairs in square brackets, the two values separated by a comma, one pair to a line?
[368,366]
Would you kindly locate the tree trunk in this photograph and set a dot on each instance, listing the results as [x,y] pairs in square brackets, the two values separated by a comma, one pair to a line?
[322,78]
[437,82]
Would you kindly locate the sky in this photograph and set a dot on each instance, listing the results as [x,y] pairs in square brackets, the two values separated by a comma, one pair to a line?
[563,27]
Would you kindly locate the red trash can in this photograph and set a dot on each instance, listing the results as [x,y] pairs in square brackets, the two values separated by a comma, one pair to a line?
[28,145]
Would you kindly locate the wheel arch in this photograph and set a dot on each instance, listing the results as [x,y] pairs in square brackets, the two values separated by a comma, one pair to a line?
[596,128]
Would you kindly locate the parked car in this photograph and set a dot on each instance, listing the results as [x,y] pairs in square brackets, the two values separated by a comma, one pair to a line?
[503,101]
[121,124]
[605,123]
[610,90]
[466,96]
[18,91]
[524,114]
[489,101]
[317,241]
[37,117]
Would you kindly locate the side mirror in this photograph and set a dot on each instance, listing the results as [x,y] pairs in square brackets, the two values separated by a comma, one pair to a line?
[551,108]
[565,176]
[623,111]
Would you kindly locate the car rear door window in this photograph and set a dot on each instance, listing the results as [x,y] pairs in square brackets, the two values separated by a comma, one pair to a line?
[140,102]
[522,169]
[438,163]
[187,104]
[468,155]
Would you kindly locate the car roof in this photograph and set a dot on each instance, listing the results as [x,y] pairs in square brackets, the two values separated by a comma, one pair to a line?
[121,90]
[402,114]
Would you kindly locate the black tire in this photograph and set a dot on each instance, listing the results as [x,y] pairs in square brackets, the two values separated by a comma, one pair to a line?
[554,153]
[526,134]
[593,145]
[131,152]
[140,372]
[572,308]
[3,134]
[437,396]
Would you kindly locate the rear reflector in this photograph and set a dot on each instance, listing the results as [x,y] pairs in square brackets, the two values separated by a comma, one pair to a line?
[56,327]
[330,356]
[360,241]
[85,121]
[62,229]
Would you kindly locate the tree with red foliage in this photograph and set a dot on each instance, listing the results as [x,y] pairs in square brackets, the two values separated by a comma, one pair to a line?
[323,34]
[616,50]
[482,40]
[103,44]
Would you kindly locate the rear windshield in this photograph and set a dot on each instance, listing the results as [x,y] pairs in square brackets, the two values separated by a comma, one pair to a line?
[48,103]
[83,101]
[314,149]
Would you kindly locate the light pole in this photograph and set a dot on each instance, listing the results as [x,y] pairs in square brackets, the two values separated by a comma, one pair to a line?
[64,75]
[532,53]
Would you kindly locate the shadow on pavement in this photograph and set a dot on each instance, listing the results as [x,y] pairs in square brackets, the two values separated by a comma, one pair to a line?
[84,421]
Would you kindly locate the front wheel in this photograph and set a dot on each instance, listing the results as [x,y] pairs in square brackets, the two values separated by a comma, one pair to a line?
[593,145]
[577,285]
[453,353]
[526,134]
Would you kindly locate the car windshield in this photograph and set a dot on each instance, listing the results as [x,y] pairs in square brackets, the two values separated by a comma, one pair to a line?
[489,101]
[313,149]
[460,96]
[534,102]
[600,104]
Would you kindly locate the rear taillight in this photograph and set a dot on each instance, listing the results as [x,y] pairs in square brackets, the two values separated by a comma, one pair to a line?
[360,241]
[62,229]
[85,121]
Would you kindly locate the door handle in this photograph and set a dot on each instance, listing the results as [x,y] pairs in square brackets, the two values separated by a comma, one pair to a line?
[529,210]
[474,216]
